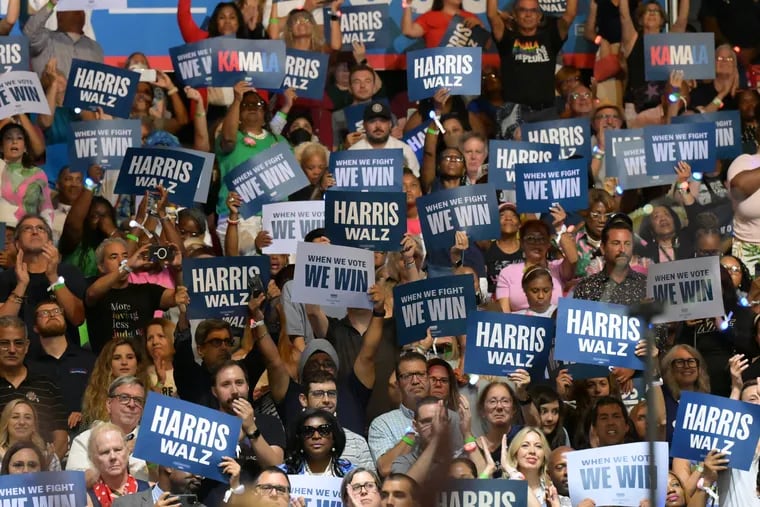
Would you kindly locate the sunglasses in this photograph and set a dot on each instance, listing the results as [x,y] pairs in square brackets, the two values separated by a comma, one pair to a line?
[322,429]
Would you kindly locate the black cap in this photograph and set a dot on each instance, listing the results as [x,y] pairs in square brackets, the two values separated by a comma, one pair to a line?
[377,109]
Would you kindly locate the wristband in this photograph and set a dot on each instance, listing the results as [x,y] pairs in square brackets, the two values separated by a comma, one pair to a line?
[124,267]
[257,323]
[132,237]
[51,5]
[716,101]
[274,21]
[431,131]
[656,382]
[484,476]
[239,490]
[172,91]
[282,115]
[407,440]
[380,314]
[335,16]
[707,489]
[232,222]
[526,401]
[470,447]
[58,284]
[200,114]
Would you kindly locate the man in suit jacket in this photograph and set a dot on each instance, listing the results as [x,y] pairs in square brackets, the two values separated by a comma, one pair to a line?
[171,482]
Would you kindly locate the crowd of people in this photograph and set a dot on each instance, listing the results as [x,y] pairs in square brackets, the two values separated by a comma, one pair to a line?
[90,323]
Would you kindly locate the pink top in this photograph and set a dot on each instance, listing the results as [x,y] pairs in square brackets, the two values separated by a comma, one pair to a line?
[509,285]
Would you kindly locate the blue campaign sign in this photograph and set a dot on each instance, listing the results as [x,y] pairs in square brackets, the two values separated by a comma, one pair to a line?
[375,223]
[611,140]
[539,186]
[503,155]
[14,53]
[583,371]
[440,303]
[483,492]
[501,343]
[705,422]
[102,142]
[178,171]
[355,115]
[368,170]
[194,63]
[219,287]
[593,332]
[270,176]
[630,167]
[471,208]
[457,69]
[93,85]
[692,142]
[306,73]
[189,437]
[573,135]
[693,53]
[415,139]
[728,131]
[44,488]
[259,62]
[362,23]
[458,35]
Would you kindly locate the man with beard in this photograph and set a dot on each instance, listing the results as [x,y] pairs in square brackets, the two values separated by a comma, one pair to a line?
[262,438]
[67,365]
[171,482]
[38,274]
[558,472]
[126,399]
[377,129]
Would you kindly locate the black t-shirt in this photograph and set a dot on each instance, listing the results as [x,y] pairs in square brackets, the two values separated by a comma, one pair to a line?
[70,373]
[41,392]
[36,292]
[739,20]
[122,313]
[496,260]
[704,93]
[528,63]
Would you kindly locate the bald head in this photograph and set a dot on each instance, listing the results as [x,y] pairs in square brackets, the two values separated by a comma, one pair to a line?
[558,469]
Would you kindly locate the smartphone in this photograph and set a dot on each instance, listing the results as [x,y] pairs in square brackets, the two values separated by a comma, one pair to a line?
[147,75]
[160,253]
[255,286]
[187,499]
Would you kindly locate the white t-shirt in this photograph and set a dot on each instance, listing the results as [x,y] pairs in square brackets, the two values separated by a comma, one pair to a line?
[747,211]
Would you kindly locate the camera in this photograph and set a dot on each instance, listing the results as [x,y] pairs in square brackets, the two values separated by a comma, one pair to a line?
[161,253]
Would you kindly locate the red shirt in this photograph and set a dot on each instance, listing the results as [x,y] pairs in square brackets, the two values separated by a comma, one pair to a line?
[435,24]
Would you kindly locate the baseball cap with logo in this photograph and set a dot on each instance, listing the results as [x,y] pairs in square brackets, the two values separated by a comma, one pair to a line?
[377,109]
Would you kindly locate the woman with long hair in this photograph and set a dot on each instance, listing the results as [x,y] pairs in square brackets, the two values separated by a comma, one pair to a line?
[360,488]
[535,241]
[719,93]
[159,345]
[18,423]
[314,444]
[683,369]
[118,358]
[23,186]
[551,415]
[526,459]
[433,24]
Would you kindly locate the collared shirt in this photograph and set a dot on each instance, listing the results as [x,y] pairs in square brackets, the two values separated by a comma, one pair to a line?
[156,492]
[79,458]
[600,287]
[70,373]
[46,398]
[357,450]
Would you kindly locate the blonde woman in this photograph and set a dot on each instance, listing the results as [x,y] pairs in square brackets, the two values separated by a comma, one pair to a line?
[18,423]
[526,459]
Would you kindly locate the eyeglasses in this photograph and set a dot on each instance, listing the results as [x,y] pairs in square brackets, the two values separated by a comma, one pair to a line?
[330,393]
[452,158]
[124,399]
[607,116]
[369,487]
[5,345]
[218,342]
[253,105]
[268,489]
[724,58]
[652,10]
[535,239]
[584,95]
[493,402]
[439,380]
[685,363]
[33,228]
[322,429]
[421,375]
[599,216]
[731,269]
[301,21]
[49,313]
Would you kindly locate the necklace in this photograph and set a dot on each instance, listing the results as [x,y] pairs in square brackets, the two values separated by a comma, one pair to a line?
[249,138]
[328,469]
[593,243]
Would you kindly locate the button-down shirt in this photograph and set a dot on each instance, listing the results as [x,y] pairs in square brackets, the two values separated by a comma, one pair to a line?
[600,287]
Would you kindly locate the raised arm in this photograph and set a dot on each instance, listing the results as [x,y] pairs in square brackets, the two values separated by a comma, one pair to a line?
[566,21]
[364,366]
[679,26]
[589,29]
[336,37]
[34,29]
[7,23]
[187,25]
[232,118]
[409,27]
[494,17]
[279,380]
[628,29]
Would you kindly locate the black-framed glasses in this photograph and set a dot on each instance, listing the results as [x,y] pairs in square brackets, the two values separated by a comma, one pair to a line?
[124,399]
[49,313]
[421,375]
[323,430]
[369,487]
[218,342]
[691,362]
[322,393]
[268,489]
[439,380]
